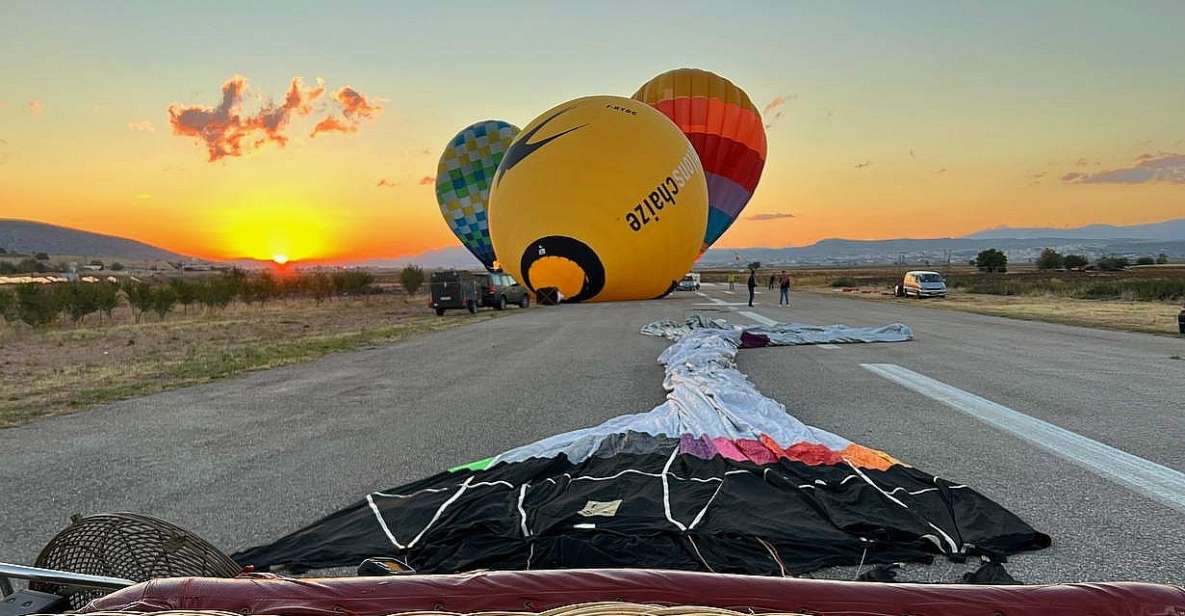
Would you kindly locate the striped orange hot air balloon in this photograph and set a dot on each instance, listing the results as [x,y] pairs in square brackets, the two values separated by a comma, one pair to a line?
[726,130]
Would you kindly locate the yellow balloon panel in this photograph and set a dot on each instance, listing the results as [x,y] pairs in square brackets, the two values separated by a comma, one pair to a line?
[602,198]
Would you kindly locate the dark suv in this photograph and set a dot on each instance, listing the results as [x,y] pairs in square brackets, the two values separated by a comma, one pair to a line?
[500,290]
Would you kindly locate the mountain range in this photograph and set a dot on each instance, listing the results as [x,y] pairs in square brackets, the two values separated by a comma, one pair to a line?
[1021,243]
[28,237]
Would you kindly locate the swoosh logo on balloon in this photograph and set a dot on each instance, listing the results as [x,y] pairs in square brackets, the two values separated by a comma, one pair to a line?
[522,148]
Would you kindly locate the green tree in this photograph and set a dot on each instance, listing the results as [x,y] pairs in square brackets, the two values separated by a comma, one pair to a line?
[1050,259]
[1074,261]
[1162,259]
[80,299]
[117,267]
[163,300]
[139,297]
[32,266]
[991,260]
[1145,261]
[106,298]
[412,278]
[41,256]
[1112,264]
[187,292]
[38,304]
[7,305]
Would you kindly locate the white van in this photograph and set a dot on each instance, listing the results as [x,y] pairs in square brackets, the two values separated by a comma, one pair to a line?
[923,284]
[690,282]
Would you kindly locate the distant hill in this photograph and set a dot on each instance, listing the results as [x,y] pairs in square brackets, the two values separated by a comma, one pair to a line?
[27,237]
[1169,230]
[454,257]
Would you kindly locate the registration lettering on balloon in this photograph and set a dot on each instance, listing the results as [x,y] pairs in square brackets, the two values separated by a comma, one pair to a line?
[664,193]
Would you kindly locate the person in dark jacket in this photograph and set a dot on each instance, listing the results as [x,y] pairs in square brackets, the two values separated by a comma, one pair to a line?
[784,285]
[752,285]
[772,279]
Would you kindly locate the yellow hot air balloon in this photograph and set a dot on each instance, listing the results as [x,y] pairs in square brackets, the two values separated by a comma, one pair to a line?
[601,198]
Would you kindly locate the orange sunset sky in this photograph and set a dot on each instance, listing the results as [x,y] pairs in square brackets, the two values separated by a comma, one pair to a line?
[918,119]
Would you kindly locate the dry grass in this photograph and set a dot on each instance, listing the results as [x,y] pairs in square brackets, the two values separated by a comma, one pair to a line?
[1147,317]
[66,369]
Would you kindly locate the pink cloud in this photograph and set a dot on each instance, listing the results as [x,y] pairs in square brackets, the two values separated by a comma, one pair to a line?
[1162,167]
[384,182]
[35,107]
[226,130]
[427,179]
[143,126]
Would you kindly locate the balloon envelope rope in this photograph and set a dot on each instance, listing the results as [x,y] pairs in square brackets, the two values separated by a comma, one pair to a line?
[717,478]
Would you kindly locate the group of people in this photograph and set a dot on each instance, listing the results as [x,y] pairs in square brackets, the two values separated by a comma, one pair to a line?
[781,280]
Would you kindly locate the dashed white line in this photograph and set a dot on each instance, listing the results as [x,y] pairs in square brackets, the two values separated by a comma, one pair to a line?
[1153,480]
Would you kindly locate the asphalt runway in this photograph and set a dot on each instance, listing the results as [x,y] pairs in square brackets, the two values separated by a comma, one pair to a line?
[1078,431]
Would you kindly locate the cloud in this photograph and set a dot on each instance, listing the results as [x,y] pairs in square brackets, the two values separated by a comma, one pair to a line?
[1081,162]
[912,155]
[355,106]
[1166,167]
[35,107]
[427,179]
[384,182]
[425,151]
[143,126]
[863,164]
[942,170]
[770,216]
[333,125]
[227,131]
[776,104]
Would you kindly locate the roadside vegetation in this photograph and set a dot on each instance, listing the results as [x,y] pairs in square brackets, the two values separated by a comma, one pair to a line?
[66,346]
[1139,294]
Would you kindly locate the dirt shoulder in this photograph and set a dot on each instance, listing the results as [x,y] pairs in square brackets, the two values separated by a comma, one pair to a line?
[1137,316]
[66,369]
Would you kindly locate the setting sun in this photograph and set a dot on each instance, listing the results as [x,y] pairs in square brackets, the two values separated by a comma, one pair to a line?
[280,259]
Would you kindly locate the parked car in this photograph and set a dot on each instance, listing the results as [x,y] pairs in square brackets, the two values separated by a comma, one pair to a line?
[501,290]
[454,289]
[923,284]
[690,282]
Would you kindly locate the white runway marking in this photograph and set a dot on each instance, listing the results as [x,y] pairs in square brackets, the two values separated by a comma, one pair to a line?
[1153,480]
[757,318]
[829,347]
[720,303]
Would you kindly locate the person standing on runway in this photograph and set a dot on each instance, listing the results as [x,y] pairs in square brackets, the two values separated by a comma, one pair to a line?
[772,279]
[784,285]
[752,285]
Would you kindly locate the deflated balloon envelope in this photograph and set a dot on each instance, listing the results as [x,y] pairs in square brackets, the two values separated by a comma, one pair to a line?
[463,178]
[726,130]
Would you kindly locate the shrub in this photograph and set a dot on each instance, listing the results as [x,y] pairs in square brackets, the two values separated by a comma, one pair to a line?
[80,299]
[163,300]
[139,297]
[412,278]
[1162,259]
[1112,264]
[106,298]
[843,281]
[116,267]
[1050,259]
[7,305]
[1074,261]
[991,260]
[37,304]
[41,256]
[1145,261]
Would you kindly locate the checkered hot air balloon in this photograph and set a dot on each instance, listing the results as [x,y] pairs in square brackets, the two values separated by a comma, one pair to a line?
[463,180]
[726,130]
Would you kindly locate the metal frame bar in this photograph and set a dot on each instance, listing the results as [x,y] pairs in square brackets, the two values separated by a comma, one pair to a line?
[51,576]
